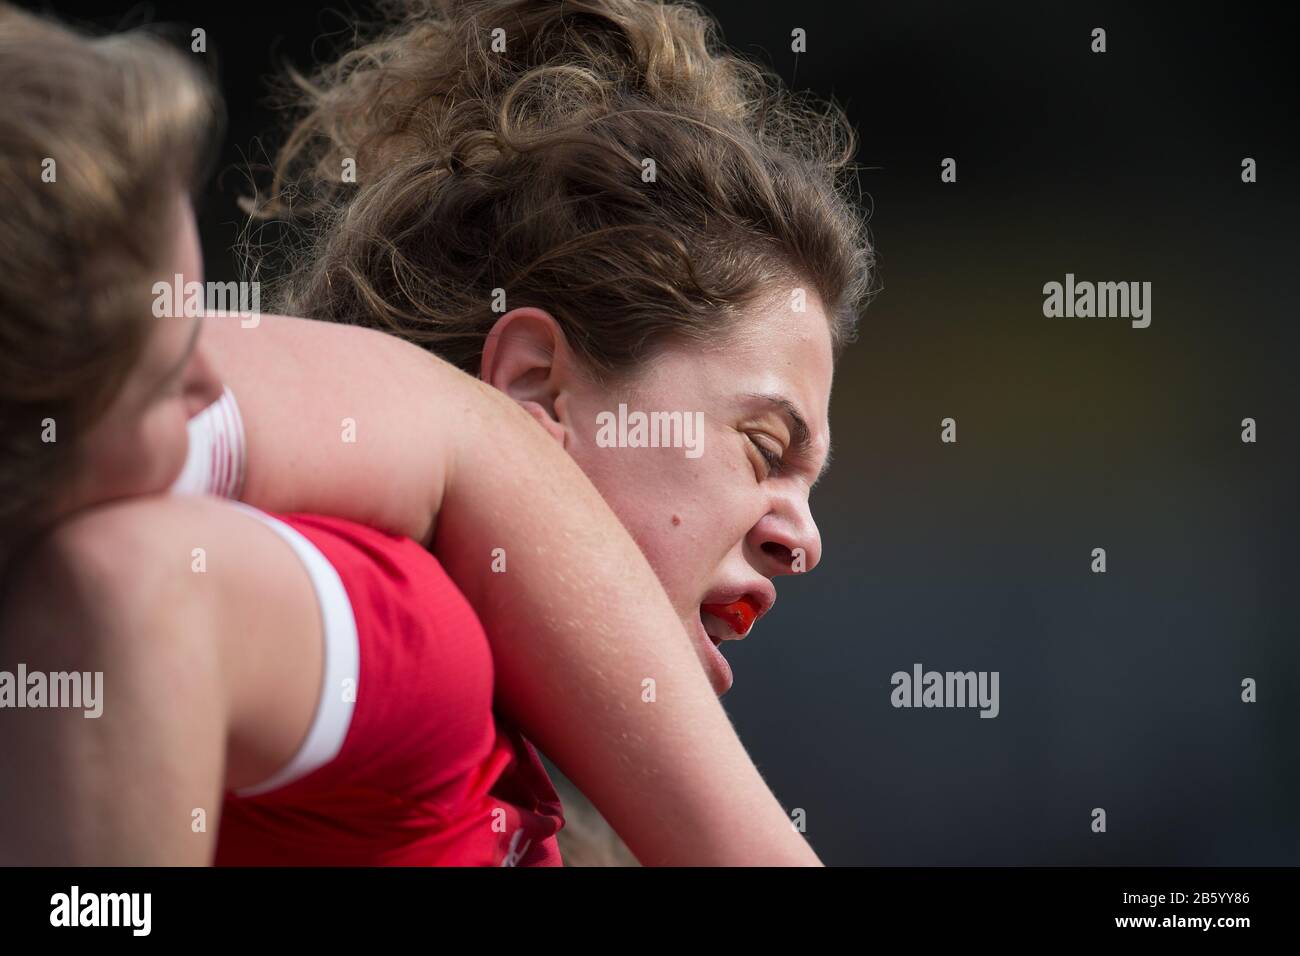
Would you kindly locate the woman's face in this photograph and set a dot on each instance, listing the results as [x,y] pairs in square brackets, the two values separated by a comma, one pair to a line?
[139,444]
[721,517]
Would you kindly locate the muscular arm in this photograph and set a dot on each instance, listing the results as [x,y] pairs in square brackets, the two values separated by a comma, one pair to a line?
[578,622]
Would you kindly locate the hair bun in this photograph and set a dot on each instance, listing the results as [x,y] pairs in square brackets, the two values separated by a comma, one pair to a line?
[607,160]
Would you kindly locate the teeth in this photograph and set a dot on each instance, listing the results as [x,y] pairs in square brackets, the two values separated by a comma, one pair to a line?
[739,615]
[716,629]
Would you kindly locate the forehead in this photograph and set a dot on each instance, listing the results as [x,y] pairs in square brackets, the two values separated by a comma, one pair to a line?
[772,350]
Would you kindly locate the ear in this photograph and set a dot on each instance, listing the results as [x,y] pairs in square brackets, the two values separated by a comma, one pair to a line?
[527,356]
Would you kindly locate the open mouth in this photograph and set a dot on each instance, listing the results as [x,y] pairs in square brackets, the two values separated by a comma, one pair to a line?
[714,630]
[737,617]
[728,622]
[713,627]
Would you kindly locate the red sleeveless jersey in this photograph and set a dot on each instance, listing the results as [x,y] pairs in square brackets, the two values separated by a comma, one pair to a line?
[406,763]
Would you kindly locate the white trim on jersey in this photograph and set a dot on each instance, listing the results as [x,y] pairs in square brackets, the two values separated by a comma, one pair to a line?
[216,460]
[342,669]
[215,465]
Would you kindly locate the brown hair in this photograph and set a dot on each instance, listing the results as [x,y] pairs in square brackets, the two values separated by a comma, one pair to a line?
[522,170]
[96,138]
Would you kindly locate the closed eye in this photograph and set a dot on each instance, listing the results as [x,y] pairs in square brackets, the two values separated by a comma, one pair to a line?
[775,463]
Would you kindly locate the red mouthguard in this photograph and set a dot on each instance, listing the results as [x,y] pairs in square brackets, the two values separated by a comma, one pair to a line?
[739,615]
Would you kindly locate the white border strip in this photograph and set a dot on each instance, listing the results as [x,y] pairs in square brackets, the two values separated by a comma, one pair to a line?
[329,727]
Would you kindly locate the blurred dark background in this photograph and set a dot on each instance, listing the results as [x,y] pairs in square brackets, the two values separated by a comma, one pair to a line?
[1118,690]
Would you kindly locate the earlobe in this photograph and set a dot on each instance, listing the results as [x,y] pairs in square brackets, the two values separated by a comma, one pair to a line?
[548,423]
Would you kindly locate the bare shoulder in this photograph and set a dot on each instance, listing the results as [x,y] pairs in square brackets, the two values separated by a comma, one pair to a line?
[122,551]
[99,560]
[112,570]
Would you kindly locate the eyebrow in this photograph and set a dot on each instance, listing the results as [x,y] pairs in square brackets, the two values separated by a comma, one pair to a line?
[800,433]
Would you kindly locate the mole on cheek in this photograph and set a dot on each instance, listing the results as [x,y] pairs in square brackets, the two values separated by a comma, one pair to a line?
[677,519]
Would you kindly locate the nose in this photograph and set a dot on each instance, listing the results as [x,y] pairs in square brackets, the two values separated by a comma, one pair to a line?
[202,383]
[786,539]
